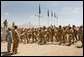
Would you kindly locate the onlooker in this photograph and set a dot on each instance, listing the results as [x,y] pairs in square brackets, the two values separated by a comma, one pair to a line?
[9,39]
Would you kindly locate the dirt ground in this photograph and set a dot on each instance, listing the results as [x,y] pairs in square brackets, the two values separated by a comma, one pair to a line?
[44,50]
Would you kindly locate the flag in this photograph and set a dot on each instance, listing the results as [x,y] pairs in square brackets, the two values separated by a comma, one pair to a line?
[13,24]
[51,13]
[54,15]
[39,9]
[48,13]
[57,16]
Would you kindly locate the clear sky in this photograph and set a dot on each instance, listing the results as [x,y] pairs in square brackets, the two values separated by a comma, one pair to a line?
[21,12]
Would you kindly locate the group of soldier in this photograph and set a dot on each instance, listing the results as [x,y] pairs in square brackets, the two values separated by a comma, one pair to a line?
[50,34]
[43,35]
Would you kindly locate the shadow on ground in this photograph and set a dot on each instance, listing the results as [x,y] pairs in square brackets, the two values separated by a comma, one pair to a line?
[79,46]
[6,53]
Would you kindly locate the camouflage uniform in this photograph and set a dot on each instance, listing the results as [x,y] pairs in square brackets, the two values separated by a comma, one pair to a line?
[64,35]
[46,35]
[28,35]
[21,33]
[70,34]
[25,36]
[59,34]
[81,34]
[40,35]
[51,31]
[33,35]
[15,41]
[55,34]
[73,35]
[82,38]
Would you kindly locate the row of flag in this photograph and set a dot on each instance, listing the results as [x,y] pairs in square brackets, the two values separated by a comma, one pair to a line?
[52,14]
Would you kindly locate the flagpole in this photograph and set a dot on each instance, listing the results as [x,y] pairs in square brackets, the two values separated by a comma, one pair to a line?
[54,21]
[39,24]
[51,20]
[39,14]
[57,21]
[48,16]
[51,17]
[39,30]
[48,21]
[39,20]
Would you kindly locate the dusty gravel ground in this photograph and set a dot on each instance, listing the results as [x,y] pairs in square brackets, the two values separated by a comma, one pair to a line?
[44,50]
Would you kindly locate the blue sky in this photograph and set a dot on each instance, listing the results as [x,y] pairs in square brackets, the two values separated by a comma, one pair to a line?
[21,12]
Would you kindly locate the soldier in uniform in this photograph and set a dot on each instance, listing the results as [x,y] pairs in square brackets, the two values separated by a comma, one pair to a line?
[25,36]
[22,35]
[59,34]
[51,31]
[28,35]
[69,33]
[44,34]
[55,34]
[74,33]
[81,34]
[40,35]
[82,38]
[15,39]
[33,35]
[64,34]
